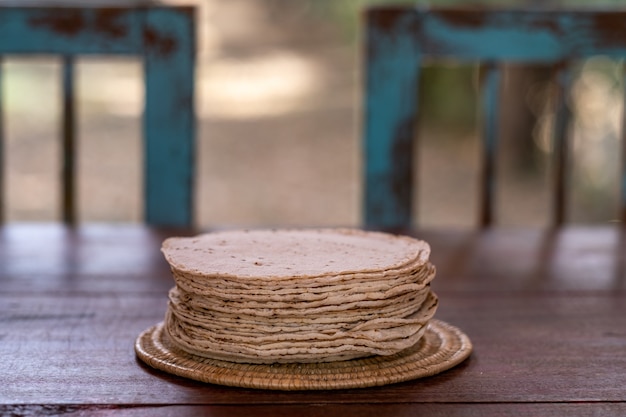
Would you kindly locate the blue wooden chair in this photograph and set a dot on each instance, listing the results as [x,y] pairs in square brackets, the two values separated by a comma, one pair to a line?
[164,37]
[398,40]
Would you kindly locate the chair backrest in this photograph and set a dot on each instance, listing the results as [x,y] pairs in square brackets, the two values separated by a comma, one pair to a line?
[400,38]
[164,37]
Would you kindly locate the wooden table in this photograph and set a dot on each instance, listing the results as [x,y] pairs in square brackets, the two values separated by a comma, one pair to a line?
[546,312]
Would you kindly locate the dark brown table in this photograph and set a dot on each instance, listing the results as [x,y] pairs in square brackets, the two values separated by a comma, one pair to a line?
[546,312]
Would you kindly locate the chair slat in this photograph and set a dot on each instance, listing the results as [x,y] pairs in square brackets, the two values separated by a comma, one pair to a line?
[68,131]
[490,86]
[391,93]
[2,187]
[562,116]
[622,207]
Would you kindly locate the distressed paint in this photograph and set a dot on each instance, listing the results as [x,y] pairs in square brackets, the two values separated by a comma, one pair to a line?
[164,37]
[69,30]
[391,107]
[399,36]
[169,118]
[541,36]
[498,35]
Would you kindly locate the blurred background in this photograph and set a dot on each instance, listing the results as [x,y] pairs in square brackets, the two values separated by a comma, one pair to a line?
[278,141]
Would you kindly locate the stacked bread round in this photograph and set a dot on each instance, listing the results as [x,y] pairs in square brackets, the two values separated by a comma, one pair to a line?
[298,296]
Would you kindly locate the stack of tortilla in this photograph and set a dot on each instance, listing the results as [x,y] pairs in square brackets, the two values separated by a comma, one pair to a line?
[298,296]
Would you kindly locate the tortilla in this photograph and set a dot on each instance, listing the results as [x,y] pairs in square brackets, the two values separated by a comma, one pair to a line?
[298,295]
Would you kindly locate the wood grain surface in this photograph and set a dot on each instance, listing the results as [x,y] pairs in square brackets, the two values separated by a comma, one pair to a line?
[546,312]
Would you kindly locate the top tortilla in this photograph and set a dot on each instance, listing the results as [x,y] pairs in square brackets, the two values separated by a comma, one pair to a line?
[292,253]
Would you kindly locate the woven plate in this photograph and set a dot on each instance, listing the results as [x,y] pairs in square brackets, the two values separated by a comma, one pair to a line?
[442,347]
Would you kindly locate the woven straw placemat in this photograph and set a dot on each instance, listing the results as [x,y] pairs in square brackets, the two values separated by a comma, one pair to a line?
[442,347]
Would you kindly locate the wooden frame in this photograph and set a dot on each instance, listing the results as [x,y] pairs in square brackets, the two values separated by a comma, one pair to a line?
[398,38]
[164,38]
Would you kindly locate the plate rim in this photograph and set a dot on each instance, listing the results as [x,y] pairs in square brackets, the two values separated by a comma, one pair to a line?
[424,359]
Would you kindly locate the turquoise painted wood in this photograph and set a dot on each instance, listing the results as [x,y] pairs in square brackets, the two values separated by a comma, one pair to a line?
[164,37]
[399,38]
[391,107]
[72,30]
[169,117]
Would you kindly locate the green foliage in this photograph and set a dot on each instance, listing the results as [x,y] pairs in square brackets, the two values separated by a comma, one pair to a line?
[448,96]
